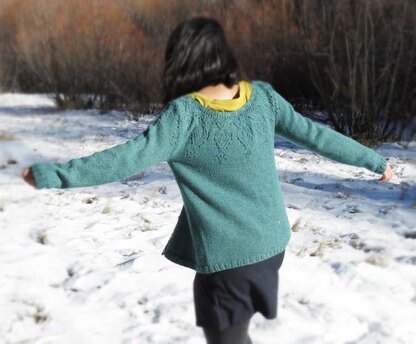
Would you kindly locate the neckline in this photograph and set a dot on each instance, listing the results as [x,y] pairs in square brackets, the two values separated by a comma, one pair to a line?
[214,100]
[228,114]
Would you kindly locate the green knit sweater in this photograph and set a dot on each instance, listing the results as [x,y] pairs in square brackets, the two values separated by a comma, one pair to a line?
[233,213]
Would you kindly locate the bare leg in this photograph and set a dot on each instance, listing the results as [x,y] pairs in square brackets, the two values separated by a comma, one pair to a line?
[237,334]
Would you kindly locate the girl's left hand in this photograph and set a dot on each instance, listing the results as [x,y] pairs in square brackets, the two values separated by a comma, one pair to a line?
[387,175]
[28,176]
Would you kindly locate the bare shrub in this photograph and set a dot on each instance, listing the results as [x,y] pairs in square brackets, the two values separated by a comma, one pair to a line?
[86,52]
[354,60]
[361,60]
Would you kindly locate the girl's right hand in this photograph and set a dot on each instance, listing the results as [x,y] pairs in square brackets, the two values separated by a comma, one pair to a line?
[387,175]
[28,176]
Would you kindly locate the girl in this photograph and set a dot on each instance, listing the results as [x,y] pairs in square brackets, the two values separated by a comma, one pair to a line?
[216,132]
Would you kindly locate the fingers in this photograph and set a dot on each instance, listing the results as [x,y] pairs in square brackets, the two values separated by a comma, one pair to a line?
[383,179]
[28,177]
[25,172]
[387,175]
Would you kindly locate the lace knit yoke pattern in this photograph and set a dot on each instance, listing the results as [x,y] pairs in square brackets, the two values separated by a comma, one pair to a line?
[221,134]
[233,211]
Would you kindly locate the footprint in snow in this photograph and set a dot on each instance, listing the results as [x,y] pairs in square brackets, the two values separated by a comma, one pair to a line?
[406,259]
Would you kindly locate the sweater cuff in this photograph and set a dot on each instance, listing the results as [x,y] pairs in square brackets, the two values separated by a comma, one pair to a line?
[45,176]
[381,166]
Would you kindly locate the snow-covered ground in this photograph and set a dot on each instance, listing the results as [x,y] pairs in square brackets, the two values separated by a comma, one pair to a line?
[84,265]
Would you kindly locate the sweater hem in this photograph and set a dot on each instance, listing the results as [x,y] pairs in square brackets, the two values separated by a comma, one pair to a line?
[206,269]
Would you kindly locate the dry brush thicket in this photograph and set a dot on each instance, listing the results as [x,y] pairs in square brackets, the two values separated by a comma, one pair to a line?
[353,59]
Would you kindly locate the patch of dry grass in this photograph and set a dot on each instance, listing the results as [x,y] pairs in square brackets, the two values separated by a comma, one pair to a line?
[296,224]
[7,136]
[378,260]
[106,209]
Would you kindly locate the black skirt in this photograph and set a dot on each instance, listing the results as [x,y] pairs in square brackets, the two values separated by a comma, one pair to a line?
[230,297]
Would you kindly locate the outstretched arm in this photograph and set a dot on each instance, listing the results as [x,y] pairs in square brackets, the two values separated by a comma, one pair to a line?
[161,141]
[323,140]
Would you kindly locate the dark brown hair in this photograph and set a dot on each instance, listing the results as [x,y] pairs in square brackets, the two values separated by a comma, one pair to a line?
[197,55]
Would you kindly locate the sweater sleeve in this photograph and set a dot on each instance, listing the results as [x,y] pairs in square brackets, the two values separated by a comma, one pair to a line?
[321,139]
[161,141]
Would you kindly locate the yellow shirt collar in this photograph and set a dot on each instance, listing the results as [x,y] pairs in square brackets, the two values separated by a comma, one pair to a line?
[225,104]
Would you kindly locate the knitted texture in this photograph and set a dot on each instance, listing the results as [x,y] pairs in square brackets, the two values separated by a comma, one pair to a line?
[233,211]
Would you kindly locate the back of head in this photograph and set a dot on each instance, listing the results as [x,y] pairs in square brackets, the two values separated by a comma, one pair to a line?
[197,55]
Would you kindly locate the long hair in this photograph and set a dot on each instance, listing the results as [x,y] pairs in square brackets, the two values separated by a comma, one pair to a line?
[197,55]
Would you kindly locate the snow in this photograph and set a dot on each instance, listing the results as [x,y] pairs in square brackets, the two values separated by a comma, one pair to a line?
[84,265]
